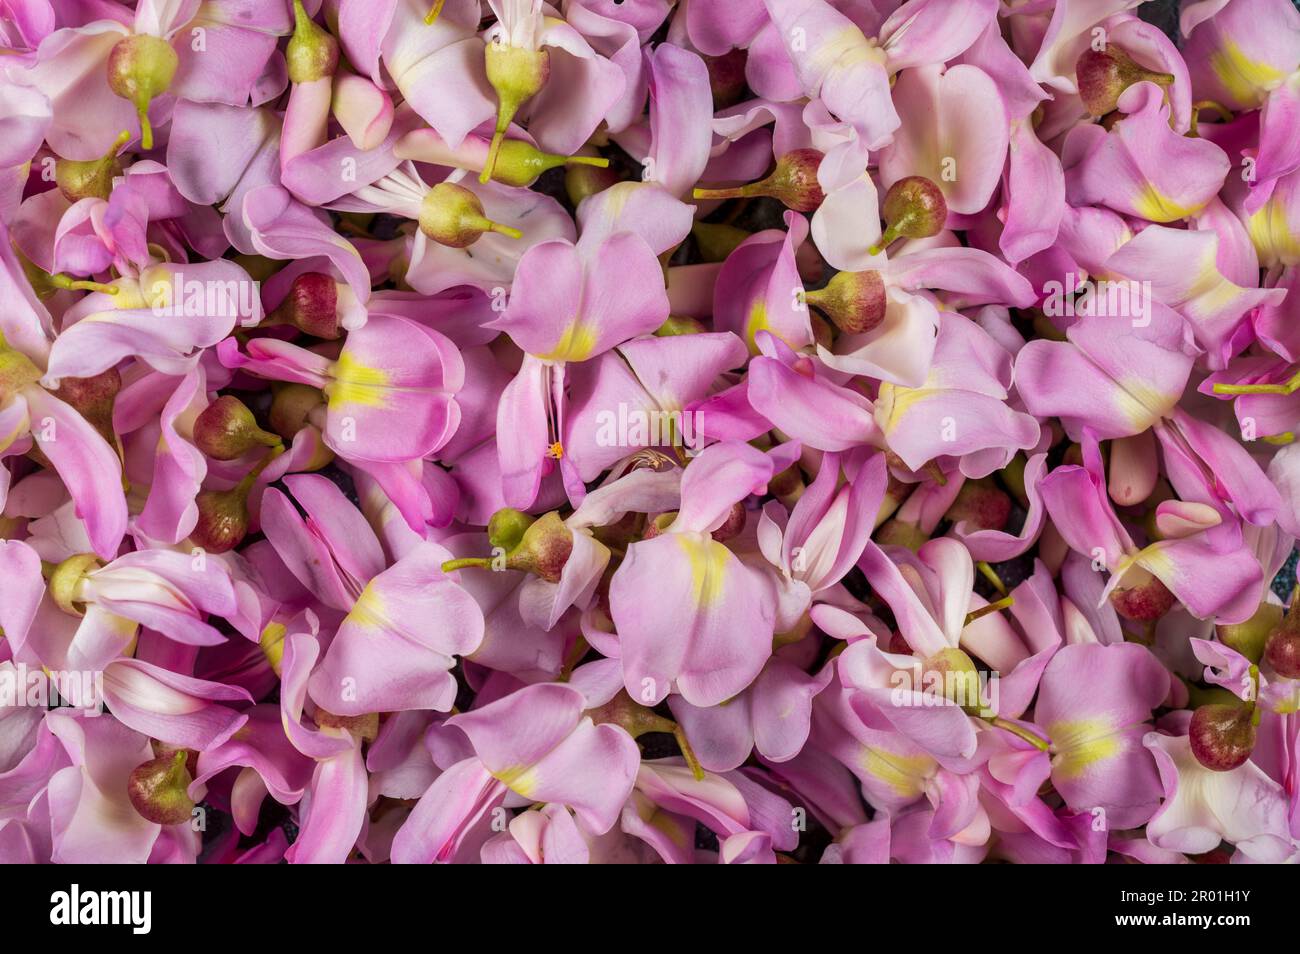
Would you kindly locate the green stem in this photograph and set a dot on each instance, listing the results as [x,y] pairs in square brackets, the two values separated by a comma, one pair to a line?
[1001,723]
[986,610]
[1290,386]
[66,282]
[991,575]
[465,562]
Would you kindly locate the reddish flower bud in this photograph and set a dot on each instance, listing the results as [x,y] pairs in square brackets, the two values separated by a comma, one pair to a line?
[793,182]
[311,306]
[854,301]
[1222,736]
[223,514]
[93,399]
[914,208]
[1143,602]
[1103,76]
[727,77]
[158,789]
[226,429]
[733,525]
[1282,651]
[223,520]
[981,505]
[544,548]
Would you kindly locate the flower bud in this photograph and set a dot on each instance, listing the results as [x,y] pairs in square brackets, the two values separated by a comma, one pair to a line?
[957,674]
[1282,651]
[787,486]
[854,301]
[140,68]
[1144,601]
[517,74]
[793,182]
[1222,736]
[1283,654]
[90,178]
[223,519]
[717,240]
[290,406]
[543,549]
[583,181]
[900,533]
[364,727]
[679,325]
[637,720]
[1013,478]
[223,514]
[506,528]
[622,533]
[312,53]
[226,429]
[1103,76]
[159,789]
[980,505]
[727,77]
[519,163]
[733,525]
[658,524]
[65,582]
[914,208]
[311,306]
[451,215]
[93,398]
[1250,637]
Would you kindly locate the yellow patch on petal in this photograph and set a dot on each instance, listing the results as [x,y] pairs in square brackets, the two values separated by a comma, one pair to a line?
[905,774]
[1246,79]
[1080,744]
[1155,560]
[576,344]
[756,322]
[368,611]
[1142,404]
[1153,204]
[845,48]
[894,401]
[1274,241]
[708,562]
[356,383]
[521,779]
[614,199]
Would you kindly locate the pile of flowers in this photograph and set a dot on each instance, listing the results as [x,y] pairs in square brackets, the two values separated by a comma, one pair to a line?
[642,431]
